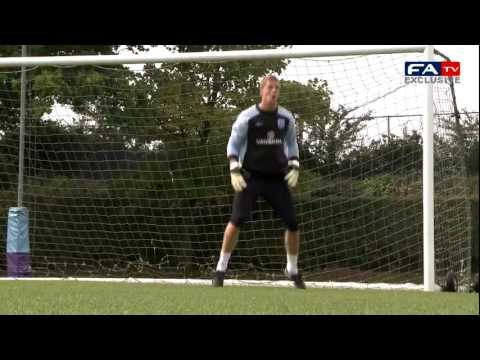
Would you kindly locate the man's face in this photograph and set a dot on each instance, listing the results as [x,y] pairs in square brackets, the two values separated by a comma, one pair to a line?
[270,92]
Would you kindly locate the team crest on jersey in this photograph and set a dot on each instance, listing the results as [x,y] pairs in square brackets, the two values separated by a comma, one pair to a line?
[281,123]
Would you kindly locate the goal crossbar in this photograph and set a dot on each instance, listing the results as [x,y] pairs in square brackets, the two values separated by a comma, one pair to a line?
[195,56]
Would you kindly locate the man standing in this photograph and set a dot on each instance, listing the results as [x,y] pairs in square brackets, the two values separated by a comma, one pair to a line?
[263,155]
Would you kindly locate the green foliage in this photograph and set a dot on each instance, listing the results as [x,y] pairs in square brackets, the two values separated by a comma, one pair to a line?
[226,84]
[389,154]
[471,130]
[474,205]
[81,86]
[379,185]
[324,134]
[8,172]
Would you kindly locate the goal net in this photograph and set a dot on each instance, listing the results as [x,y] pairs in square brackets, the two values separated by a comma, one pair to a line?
[125,169]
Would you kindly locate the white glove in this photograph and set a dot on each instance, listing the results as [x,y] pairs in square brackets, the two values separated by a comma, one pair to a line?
[238,182]
[292,176]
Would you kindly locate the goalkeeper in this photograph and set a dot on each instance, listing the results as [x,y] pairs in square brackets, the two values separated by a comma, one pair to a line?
[263,155]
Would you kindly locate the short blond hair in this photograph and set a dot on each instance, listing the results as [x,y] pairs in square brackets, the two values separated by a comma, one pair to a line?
[267,78]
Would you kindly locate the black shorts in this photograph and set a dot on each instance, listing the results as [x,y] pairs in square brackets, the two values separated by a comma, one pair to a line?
[274,190]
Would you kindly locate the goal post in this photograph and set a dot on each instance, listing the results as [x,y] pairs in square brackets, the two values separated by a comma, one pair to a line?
[125,171]
[428,186]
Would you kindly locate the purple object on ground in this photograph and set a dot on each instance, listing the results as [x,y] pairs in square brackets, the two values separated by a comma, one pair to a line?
[19,264]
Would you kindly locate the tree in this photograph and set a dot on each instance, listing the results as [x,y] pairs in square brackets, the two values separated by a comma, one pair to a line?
[326,135]
[386,155]
[49,85]
[224,85]
[471,131]
[77,87]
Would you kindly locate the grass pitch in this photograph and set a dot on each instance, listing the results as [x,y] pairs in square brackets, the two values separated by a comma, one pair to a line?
[67,297]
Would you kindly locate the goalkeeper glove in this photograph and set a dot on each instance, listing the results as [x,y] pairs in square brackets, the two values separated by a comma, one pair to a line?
[238,182]
[292,175]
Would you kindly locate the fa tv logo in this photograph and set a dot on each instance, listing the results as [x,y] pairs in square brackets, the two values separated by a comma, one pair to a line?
[432,68]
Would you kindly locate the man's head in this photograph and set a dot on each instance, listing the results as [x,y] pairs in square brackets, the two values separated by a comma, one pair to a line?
[269,92]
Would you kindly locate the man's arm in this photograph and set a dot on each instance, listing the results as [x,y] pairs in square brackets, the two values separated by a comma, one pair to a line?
[235,143]
[291,141]
[238,137]
[292,154]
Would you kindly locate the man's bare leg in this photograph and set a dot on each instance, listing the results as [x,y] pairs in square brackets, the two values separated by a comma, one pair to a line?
[292,246]
[230,238]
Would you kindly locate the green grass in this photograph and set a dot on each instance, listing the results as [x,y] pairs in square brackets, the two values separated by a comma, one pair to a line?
[62,297]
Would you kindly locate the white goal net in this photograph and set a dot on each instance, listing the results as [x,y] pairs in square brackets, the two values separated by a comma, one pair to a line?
[126,172]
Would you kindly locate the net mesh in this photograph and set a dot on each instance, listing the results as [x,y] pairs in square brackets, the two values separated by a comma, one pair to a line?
[126,171]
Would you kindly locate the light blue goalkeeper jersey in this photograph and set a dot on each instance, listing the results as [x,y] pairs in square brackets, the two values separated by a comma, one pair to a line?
[262,141]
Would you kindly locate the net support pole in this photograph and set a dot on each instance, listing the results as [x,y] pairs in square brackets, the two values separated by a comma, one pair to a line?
[428,186]
[18,245]
[21,150]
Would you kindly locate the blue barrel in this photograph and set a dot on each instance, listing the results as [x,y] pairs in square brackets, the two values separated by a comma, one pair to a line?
[18,245]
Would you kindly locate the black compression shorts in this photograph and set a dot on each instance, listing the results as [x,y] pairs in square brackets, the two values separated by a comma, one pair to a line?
[274,190]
